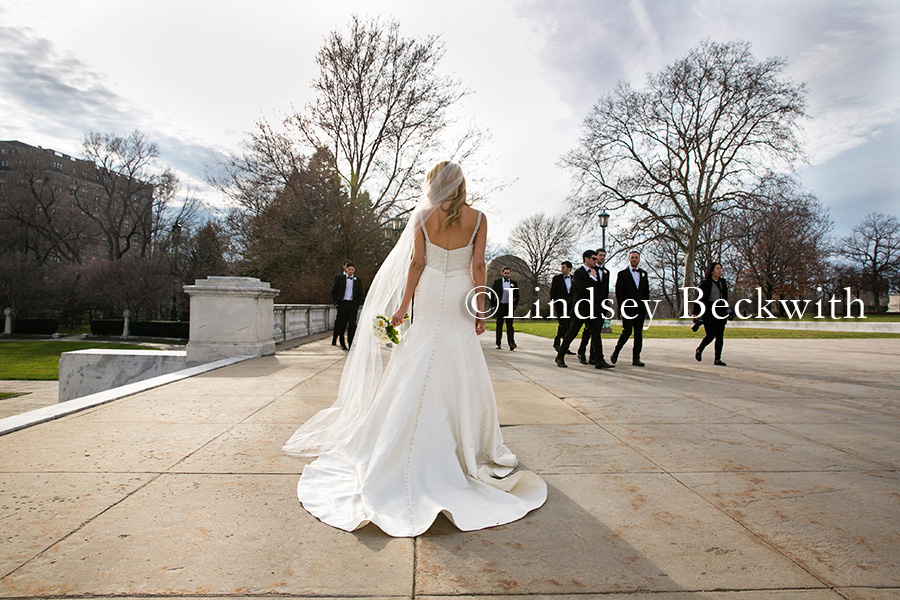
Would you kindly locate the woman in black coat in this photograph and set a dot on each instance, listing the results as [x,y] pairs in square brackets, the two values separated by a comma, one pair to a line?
[713,288]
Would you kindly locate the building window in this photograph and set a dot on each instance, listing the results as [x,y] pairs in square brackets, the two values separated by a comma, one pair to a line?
[4,163]
[57,165]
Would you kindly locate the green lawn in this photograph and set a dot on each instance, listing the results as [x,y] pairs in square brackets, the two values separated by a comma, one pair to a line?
[39,360]
[7,396]
[547,329]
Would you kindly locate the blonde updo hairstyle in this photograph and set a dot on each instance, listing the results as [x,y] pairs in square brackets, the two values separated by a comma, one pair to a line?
[437,178]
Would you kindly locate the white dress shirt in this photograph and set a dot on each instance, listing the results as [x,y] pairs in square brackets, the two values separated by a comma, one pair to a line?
[348,289]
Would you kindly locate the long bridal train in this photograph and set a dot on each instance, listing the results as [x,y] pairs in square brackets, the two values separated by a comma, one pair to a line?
[430,442]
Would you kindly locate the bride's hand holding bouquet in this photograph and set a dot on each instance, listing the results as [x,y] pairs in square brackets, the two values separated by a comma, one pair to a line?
[400,316]
[385,330]
[480,323]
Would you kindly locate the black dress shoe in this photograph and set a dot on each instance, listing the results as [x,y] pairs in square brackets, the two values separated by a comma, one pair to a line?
[343,347]
[604,365]
[720,363]
[698,354]
[498,346]
[582,359]
[637,363]
[615,356]
[561,362]
[513,346]
[569,352]
[334,342]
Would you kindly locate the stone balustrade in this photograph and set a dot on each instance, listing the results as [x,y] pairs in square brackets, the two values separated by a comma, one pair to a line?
[292,321]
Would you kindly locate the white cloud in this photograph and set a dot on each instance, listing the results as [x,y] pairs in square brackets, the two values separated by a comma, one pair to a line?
[852,77]
[197,75]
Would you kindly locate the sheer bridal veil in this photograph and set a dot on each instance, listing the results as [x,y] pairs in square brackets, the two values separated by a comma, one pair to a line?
[362,372]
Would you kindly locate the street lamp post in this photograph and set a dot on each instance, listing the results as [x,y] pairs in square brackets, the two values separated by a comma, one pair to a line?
[604,221]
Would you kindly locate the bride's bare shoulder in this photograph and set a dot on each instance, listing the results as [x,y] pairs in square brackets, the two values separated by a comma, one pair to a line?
[469,214]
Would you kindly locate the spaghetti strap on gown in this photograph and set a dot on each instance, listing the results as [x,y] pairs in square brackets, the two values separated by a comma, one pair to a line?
[431,441]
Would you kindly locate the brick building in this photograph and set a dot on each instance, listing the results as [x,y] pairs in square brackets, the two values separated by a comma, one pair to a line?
[59,208]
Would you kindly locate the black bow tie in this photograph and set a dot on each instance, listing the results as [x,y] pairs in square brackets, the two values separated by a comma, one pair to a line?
[506,281]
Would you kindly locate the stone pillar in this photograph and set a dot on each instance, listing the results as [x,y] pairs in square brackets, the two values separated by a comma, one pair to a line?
[7,329]
[126,330]
[230,316]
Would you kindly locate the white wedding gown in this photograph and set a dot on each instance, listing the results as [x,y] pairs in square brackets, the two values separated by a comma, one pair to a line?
[431,441]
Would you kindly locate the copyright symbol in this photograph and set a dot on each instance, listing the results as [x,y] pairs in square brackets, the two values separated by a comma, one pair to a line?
[472,301]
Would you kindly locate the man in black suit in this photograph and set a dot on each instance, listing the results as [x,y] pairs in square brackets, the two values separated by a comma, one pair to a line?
[603,291]
[585,283]
[506,292]
[561,299]
[632,288]
[347,295]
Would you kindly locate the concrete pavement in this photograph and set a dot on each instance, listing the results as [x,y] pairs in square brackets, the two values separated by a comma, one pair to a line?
[38,394]
[774,477]
[33,394]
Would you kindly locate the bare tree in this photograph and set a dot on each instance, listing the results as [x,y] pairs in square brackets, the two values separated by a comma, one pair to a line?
[137,198]
[874,245]
[664,259]
[542,242]
[40,212]
[380,105]
[779,242]
[689,146]
[381,113]
[169,212]
[21,282]
[382,110]
[142,285]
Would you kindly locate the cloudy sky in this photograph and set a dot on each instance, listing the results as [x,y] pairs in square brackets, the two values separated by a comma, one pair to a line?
[196,75]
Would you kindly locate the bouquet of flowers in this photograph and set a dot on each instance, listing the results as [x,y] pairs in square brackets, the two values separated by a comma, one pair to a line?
[384,331]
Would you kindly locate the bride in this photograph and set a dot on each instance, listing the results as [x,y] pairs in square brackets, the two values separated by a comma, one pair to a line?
[418,436]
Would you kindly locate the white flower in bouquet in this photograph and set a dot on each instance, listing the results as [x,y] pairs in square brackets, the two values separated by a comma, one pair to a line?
[385,332]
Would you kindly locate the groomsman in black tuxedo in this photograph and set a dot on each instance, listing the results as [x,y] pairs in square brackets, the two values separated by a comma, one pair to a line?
[347,295]
[603,291]
[632,286]
[561,297]
[585,282]
[506,292]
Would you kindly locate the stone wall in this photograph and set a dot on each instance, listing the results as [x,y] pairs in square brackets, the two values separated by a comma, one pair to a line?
[86,372]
